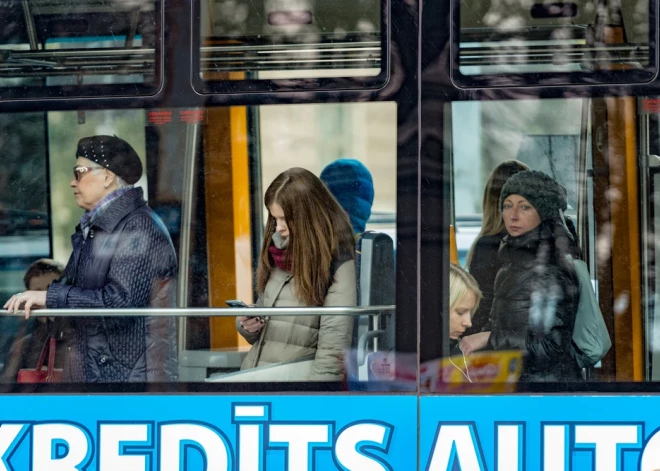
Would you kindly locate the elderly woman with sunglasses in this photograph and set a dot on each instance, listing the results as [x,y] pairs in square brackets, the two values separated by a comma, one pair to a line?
[122,257]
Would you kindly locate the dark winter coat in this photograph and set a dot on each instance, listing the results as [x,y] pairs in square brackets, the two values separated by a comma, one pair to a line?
[126,261]
[484,265]
[536,296]
[454,348]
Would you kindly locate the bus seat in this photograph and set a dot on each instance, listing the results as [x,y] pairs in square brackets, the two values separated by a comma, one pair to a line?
[194,364]
[375,286]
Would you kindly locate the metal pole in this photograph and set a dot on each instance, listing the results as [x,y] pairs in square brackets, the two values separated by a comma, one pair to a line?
[187,200]
[135,18]
[583,181]
[212,312]
[29,23]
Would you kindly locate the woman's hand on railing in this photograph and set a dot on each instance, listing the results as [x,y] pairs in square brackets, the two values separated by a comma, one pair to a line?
[27,301]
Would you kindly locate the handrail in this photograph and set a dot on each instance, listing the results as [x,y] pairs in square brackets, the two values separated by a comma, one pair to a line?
[212,312]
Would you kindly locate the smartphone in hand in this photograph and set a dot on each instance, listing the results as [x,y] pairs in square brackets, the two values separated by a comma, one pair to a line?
[236,303]
[239,303]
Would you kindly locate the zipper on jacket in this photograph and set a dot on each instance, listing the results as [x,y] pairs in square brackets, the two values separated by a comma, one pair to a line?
[82,246]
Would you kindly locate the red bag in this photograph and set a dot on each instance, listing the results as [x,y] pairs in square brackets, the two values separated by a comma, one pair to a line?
[39,374]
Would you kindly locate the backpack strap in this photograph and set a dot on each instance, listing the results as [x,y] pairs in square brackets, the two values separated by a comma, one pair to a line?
[334,266]
[333,270]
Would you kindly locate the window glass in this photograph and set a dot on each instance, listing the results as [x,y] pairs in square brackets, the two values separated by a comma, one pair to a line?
[568,42]
[283,40]
[24,221]
[75,47]
[515,165]
[64,130]
[205,174]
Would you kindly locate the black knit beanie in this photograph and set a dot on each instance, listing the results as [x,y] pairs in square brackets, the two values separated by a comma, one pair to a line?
[543,192]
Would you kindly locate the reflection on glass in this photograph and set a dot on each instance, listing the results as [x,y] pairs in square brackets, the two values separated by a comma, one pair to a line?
[550,37]
[207,188]
[517,228]
[288,39]
[24,221]
[56,43]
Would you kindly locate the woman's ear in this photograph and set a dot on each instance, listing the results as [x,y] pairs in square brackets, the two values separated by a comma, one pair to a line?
[110,178]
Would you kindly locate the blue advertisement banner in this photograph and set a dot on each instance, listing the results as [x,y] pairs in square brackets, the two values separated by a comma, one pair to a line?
[329,433]
[213,433]
[548,433]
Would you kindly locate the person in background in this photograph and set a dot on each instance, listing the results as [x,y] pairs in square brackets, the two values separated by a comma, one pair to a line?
[464,298]
[536,290]
[351,184]
[482,261]
[122,257]
[33,334]
[307,259]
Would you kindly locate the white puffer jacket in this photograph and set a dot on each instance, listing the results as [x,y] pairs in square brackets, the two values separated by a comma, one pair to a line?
[324,339]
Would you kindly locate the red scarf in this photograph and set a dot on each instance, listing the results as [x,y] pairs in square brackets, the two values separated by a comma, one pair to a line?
[280,259]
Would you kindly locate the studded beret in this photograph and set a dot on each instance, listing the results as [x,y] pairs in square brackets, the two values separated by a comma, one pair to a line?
[113,153]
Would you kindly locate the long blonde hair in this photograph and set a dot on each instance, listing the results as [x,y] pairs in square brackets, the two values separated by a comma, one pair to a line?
[319,232]
[460,283]
[492,222]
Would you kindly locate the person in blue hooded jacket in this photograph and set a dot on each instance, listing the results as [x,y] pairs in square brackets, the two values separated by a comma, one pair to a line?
[351,184]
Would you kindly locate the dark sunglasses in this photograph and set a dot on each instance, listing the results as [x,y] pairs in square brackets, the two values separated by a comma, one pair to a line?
[78,171]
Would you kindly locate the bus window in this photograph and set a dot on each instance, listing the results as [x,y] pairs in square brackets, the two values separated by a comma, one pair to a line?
[24,209]
[206,174]
[511,158]
[55,48]
[274,45]
[498,44]
[64,130]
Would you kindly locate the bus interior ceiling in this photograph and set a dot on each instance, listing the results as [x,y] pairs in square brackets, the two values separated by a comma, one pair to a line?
[83,40]
[96,42]
[551,36]
[266,36]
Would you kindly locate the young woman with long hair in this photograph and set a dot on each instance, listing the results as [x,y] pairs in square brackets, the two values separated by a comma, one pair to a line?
[307,259]
[482,261]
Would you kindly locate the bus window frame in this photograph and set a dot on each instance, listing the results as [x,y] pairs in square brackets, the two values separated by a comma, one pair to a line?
[327,84]
[524,80]
[115,91]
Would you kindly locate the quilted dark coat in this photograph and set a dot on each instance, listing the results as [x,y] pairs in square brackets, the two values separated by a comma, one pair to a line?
[126,261]
[536,296]
[484,265]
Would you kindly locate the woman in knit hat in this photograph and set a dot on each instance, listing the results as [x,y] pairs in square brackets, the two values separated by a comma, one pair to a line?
[482,260]
[536,290]
[351,184]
